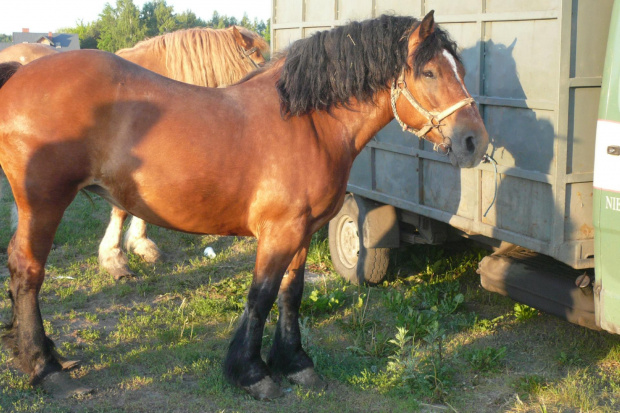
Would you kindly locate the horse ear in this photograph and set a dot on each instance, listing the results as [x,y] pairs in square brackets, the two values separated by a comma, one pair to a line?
[241,41]
[428,25]
[423,30]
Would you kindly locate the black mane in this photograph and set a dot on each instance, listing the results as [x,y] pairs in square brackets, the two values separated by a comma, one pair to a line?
[7,70]
[356,61]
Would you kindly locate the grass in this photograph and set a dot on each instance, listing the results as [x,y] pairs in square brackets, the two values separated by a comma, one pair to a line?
[428,339]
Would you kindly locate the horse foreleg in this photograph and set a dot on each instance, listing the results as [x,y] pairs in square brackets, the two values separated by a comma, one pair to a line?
[243,365]
[111,257]
[287,356]
[139,243]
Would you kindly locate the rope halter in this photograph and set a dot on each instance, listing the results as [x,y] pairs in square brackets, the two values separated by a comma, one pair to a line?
[399,86]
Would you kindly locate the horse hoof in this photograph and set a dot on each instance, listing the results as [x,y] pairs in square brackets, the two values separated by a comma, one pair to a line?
[115,266]
[309,379]
[119,273]
[61,386]
[145,248]
[266,389]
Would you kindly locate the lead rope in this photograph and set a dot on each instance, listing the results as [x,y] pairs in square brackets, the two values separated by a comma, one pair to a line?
[489,159]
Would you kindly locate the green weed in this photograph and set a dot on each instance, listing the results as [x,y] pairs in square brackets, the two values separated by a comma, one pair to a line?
[568,359]
[319,258]
[322,300]
[486,359]
[529,385]
[523,313]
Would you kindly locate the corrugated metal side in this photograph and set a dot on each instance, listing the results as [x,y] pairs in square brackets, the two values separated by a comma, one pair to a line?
[534,67]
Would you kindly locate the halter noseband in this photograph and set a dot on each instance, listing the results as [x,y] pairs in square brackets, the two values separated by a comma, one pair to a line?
[248,53]
[434,118]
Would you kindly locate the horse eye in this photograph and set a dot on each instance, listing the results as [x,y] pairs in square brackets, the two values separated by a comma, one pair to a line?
[429,74]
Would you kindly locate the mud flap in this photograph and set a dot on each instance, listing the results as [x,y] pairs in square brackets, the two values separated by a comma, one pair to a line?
[540,282]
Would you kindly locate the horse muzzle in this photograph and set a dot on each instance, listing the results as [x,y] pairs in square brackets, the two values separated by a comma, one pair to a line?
[468,143]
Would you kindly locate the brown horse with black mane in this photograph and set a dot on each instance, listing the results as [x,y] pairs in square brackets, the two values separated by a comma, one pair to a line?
[268,157]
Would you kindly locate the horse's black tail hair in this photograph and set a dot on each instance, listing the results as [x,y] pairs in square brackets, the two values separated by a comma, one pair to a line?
[7,70]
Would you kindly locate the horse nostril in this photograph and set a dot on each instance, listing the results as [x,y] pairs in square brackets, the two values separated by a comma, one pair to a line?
[469,144]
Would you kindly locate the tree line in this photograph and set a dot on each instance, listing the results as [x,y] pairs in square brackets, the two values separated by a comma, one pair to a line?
[124,25]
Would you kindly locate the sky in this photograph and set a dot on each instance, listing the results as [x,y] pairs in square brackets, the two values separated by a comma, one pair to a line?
[42,16]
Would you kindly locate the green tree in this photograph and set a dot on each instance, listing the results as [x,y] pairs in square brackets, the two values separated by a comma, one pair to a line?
[6,38]
[166,20]
[264,29]
[188,19]
[124,25]
[149,20]
[215,19]
[158,18]
[245,22]
[121,26]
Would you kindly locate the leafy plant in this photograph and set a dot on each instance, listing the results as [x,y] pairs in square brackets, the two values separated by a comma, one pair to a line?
[486,359]
[89,334]
[319,257]
[523,313]
[324,302]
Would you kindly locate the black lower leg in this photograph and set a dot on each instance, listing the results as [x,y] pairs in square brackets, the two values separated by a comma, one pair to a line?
[243,365]
[287,355]
[25,337]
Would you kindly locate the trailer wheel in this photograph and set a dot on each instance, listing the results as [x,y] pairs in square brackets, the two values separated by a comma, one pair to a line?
[350,258]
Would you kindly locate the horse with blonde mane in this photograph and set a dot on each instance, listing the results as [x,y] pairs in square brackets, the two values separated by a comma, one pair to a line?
[199,56]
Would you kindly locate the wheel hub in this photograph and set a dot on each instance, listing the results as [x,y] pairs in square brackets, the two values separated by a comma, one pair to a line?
[349,242]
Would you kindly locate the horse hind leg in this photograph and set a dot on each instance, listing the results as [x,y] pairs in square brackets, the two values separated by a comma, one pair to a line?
[25,336]
[111,257]
[139,243]
[287,357]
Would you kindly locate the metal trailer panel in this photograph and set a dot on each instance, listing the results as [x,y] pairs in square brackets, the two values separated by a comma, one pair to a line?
[534,68]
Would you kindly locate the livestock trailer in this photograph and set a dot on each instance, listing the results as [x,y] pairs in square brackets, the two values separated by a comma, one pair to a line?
[535,69]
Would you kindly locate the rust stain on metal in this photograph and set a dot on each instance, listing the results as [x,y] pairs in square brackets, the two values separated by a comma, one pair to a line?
[587,231]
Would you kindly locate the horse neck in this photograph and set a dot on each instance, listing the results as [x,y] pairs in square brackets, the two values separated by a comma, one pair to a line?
[360,122]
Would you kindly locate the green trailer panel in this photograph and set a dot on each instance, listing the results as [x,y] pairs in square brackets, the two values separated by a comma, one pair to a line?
[607,187]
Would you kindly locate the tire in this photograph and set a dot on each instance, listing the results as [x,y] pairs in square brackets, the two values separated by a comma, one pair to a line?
[354,262]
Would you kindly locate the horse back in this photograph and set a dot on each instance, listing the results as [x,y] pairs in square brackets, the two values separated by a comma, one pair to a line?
[26,52]
[143,140]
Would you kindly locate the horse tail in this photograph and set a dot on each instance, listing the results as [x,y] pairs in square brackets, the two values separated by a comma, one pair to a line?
[7,70]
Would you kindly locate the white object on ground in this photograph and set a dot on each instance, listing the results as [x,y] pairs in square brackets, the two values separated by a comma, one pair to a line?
[209,253]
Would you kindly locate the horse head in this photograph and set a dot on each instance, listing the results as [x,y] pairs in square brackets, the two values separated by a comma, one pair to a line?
[251,45]
[430,99]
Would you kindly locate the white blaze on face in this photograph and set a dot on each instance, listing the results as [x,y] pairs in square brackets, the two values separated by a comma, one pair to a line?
[452,62]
